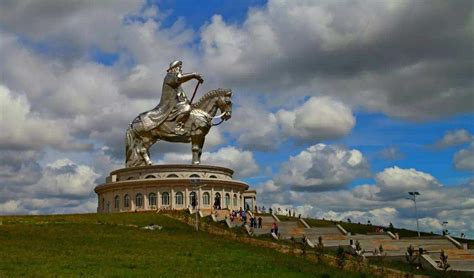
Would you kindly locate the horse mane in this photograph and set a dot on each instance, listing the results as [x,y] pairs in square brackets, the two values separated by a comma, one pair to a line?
[209,95]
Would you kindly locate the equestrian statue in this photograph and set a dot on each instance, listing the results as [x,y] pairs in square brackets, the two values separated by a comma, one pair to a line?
[175,118]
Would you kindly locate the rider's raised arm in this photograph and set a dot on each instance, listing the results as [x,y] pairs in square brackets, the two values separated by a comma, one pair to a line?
[181,78]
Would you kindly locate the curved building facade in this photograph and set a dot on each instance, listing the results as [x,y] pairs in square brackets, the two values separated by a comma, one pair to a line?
[173,187]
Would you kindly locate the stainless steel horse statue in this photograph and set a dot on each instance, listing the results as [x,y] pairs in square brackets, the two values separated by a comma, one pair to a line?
[139,139]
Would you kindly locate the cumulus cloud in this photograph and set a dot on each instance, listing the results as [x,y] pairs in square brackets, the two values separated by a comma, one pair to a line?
[68,25]
[454,138]
[20,168]
[65,178]
[360,52]
[22,129]
[323,167]
[396,181]
[316,120]
[242,162]
[61,186]
[464,158]
[381,203]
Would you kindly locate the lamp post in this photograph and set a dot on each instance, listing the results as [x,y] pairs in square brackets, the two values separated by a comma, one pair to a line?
[414,194]
[196,185]
[445,228]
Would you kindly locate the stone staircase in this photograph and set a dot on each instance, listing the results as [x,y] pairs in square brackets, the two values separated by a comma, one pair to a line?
[371,242]
[289,229]
[221,214]
[332,236]
[267,222]
[399,247]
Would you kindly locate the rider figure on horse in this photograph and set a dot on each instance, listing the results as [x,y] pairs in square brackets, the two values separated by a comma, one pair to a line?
[174,104]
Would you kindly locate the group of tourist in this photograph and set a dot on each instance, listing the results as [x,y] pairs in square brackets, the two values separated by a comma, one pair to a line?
[256,222]
[242,215]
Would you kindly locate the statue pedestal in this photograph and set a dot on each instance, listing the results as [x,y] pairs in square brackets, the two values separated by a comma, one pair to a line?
[173,187]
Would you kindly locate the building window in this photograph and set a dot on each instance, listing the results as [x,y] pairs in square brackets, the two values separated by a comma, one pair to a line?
[117,202]
[179,198]
[227,200]
[192,196]
[165,199]
[172,176]
[194,176]
[103,203]
[150,177]
[205,199]
[235,200]
[139,200]
[212,177]
[126,201]
[130,178]
[152,199]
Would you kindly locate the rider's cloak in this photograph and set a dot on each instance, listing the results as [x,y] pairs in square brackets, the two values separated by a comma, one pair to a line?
[172,96]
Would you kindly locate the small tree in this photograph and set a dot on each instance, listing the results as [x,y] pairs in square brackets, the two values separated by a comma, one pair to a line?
[381,255]
[359,255]
[410,257]
[293,245]
[320,249]
[340,257]
[443,261]
[390,227]
[304,244]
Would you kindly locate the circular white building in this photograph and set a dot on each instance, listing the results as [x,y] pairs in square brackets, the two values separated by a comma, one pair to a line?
[173,187]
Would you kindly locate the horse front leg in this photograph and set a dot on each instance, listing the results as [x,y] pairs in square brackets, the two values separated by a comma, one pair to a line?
[197,143]
[145,154]
[145,149]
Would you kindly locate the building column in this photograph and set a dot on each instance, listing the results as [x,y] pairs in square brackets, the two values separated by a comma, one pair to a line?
[172,198]
[212,197]
[232,199]
[158,199]
[146,204]
[132,201]
[223,198]
[186,197]
[199,198]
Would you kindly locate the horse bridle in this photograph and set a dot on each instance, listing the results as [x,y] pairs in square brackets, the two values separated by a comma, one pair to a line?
[221,117]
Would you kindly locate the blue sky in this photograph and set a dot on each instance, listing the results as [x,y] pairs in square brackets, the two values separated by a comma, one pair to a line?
[350,105]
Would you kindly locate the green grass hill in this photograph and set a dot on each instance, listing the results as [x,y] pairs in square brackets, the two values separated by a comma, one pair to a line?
[115,245]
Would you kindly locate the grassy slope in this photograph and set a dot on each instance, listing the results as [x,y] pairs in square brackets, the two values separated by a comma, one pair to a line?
[103,245]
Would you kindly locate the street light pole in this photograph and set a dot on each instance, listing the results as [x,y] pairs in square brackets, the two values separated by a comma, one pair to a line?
[196,185]
[414,193]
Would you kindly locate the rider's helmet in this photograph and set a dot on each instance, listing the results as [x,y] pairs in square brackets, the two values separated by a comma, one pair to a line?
[174,64]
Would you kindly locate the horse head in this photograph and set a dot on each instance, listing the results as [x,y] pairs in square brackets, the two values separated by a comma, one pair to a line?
[224,102]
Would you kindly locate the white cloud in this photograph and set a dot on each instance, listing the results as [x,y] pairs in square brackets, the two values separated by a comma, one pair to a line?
[62,186]
[68,24]
[341,50]
[242,162]
[453,138]
[464,158]
[323,167]
[398,182]
[63,177]
[319,118]
[22,129]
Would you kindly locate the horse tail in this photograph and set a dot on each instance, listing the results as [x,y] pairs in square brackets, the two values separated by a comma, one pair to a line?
[132,148]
